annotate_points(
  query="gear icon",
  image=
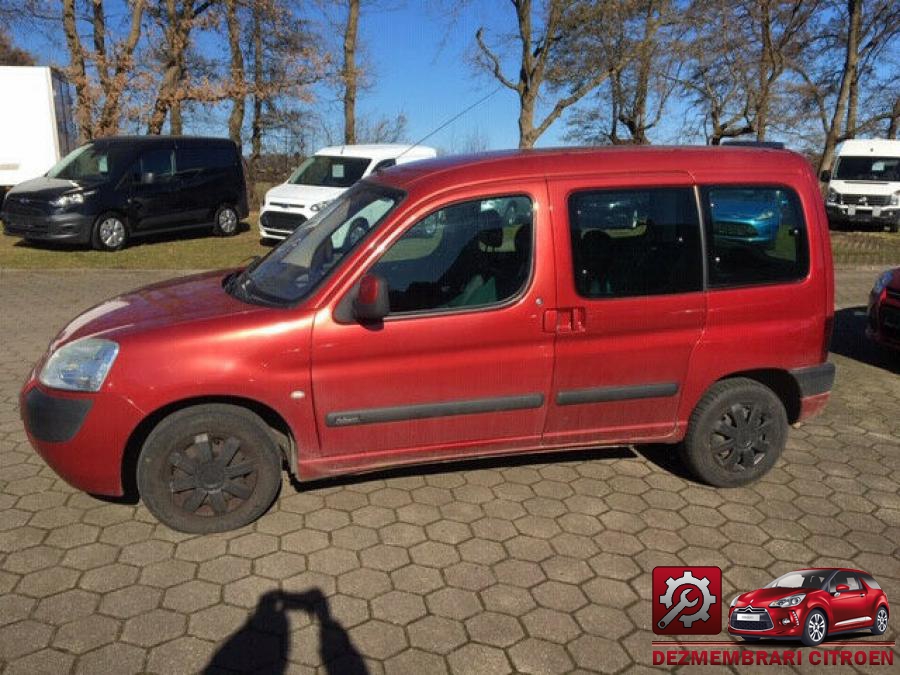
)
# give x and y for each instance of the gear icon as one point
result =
(701, 584)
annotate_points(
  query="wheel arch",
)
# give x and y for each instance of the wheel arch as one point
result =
(281, 430)
(781, 382)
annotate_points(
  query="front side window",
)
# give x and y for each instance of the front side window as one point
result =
(461, 256)
(291, 271)
(155, 165)
(846, 578)
(756, 236)
(635, 242)
(328, 171)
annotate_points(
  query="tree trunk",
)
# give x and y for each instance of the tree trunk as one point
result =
(851, 62)
(894, 124)
(238, 88)
(256, 123)
(83, 99)
(349, 73)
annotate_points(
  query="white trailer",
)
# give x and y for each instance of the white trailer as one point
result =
(37, 127)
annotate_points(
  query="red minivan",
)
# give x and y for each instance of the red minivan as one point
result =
(512, 302)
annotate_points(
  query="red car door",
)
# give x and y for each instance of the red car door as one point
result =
(630, 305)
(850, 608)
(462, 364)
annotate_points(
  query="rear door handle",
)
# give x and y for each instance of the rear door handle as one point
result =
(564, 320)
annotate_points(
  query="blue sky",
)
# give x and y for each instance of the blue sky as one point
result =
(421, 62)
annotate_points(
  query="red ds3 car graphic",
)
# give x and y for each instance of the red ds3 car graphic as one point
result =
(810, 604)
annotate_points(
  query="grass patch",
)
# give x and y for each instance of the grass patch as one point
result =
(196, 250)
(866, 248)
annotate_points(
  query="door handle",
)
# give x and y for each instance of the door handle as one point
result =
(564, 320)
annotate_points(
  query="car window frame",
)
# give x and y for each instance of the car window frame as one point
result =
(452, 311)
(708, 236)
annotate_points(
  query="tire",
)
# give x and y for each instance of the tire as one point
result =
(881, 621)
(183, 469)
(110, 233)
(814, 629)
(226, 221)
(736, 433)
(894, 227)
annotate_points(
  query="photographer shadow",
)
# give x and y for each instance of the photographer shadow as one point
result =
(263, 643)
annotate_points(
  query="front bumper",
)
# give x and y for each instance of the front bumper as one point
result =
(770, 623)
(61, 227)
(880, 215)
(81, 436)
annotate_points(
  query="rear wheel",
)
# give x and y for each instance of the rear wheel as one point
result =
(736, 433)
(881, 621)
(226, 221)
(110, 233)
(209, 468)
(815, 629)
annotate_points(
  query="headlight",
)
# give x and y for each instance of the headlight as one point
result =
(789, 601)
(71, 199)
(81, 365)
(734, 600)
(833, 197)
(882, 282)
(318, 207)
(895, 199)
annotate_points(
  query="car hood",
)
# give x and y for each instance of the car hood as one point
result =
(763, 596)
(302, 195)
(43, 188)
(176, 301)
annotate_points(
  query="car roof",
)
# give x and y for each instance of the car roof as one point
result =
(832, 569)
(511, 164)
(855, 147)
(378, 150)
(151, 139)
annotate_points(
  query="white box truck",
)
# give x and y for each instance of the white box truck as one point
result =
(864, 186)
(37, 126)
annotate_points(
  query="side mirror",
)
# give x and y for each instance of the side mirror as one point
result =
(825, 176)
(371, 302)
(842, 588)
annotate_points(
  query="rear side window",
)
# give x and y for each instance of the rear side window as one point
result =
(635, 242)
(870, 582)
(756, 235)
(213, 156)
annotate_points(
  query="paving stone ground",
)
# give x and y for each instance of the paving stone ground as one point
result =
(534, 565)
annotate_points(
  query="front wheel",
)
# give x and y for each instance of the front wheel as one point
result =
(815, 629)
(209, 468)
(226, 221)
(110, 233)
(736, 433)
(881, 621)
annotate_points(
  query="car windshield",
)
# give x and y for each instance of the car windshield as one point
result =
(801, 579)
(90, 163)
(291, 271)
(868, 168)
(327, 171)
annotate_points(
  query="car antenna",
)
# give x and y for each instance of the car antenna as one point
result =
(450, 121)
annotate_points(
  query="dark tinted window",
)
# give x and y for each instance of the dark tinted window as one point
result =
(205, 156)
(870, 582)
(756, 236)
(385, 164)
(464, 255)
(635, 242)
(158, 162)
(868, 168)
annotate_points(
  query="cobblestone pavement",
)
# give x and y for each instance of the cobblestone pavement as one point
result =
(534, 565)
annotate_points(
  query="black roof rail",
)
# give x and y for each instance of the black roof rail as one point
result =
(776, 145)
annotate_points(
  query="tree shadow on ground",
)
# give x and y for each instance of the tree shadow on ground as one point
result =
(849, 339)
(263, 643)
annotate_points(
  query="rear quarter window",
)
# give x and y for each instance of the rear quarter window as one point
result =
(755, 235)
(200, 157)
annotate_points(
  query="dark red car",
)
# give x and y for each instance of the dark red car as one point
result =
(413, 320)
(810, 604)
(884, 309)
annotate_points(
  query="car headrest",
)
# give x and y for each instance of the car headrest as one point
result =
(522, 241)
(490, 229)
(597, 244)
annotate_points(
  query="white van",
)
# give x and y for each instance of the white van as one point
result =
(864, 186)
(323, 177)
(36, 123)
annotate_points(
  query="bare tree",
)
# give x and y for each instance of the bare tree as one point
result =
(349, 72)
(539, 61)
(10, 55)
(237, 84)
(98, 103)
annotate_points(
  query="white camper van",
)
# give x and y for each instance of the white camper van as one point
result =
(37, 127)
(323, 177)
(864, 186)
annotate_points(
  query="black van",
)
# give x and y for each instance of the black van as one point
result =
(116, 188)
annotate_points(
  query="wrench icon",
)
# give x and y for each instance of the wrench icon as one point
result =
(680, 605)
